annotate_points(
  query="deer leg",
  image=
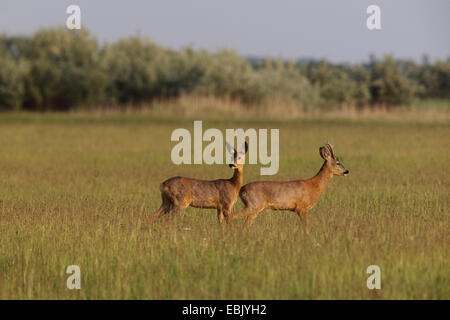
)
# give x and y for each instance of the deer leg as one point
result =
(302, 214)
(171, 212)
(227, 213)
(165, 207)
(177, 206)
(243, 213)
(156, 214)
(228, 217)
(220, 216)
(250, 219)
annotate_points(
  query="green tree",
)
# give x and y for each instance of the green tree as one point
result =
(388, 85)
(64, 70)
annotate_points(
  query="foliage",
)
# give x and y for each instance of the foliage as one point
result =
(60, 69)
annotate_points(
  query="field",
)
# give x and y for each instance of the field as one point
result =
(75, 189)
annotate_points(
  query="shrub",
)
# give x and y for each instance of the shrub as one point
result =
(60, 69)
(388, 85)
(64, 70)
(13, 74)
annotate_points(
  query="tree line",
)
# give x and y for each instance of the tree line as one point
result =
(58, 69)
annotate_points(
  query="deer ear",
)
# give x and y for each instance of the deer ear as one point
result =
(244, 148)
(230, 149)
(324, 153)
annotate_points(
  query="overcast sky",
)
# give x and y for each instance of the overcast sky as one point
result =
(332, 29)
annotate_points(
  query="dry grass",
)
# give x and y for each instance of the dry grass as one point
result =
(75, 189)
(192, 106)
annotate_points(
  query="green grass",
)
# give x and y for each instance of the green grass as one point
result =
(76, 189)
(443, 104)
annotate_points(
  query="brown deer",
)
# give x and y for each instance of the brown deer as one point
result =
(298, 195)
(178, 193)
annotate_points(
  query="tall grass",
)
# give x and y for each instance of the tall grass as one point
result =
(75, 189)
(194, 106)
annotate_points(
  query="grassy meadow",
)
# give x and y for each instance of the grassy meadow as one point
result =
(75, 189)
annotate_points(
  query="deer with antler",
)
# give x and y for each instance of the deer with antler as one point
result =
(178, 193)
(298, 195)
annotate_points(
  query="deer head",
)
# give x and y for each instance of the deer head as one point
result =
(238, 158)
(331, 161)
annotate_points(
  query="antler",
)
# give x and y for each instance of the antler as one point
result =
(330, 148)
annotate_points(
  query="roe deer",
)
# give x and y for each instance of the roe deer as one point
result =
(298, 195)
(178, 193)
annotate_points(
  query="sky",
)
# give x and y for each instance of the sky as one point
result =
(331, 29)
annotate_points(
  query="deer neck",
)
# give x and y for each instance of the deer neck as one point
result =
(237, 178)
(320, 181)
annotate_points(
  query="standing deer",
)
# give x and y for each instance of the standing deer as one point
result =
(178, 193)
(298, 195)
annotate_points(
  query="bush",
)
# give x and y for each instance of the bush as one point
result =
(339, 84)
(60, 69)
(388, 85)
(435, 80)
(64, 70)
(13, 74)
